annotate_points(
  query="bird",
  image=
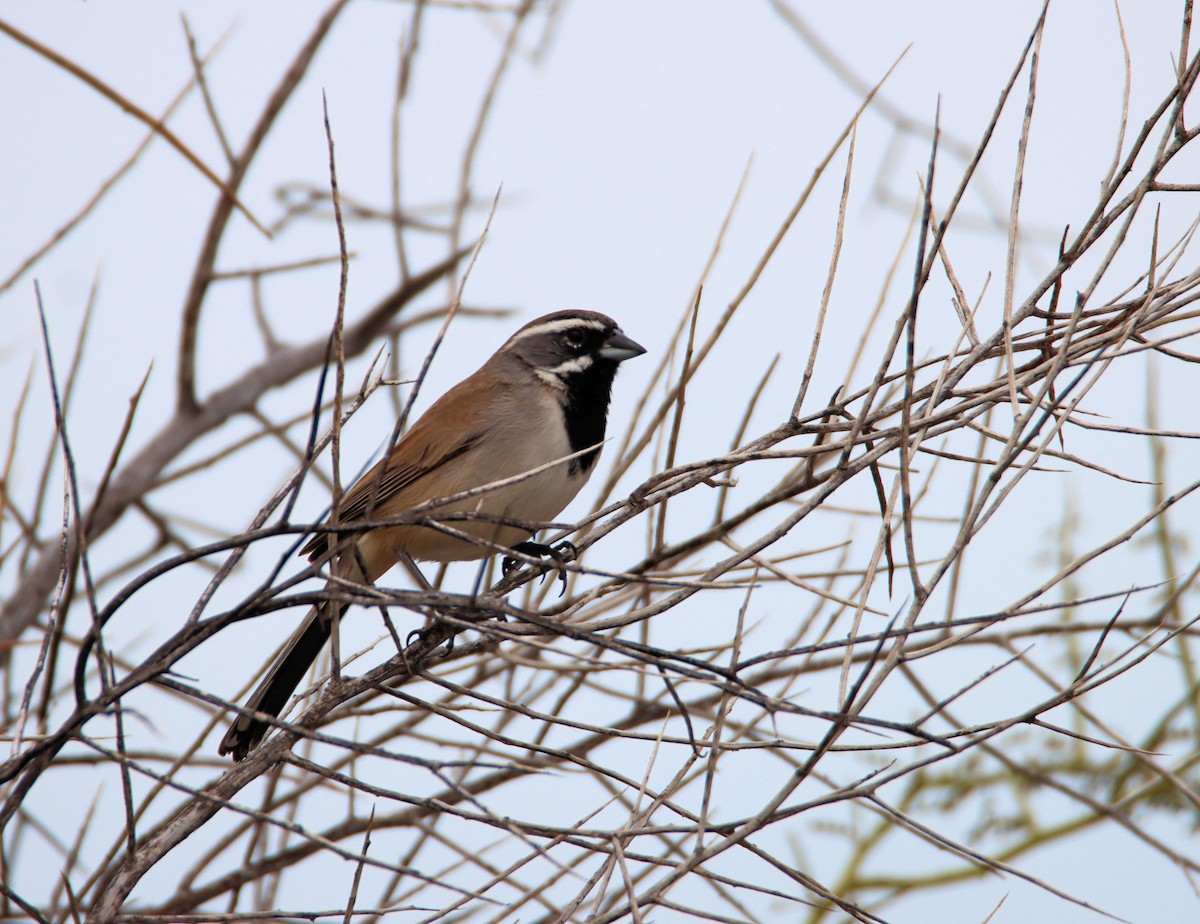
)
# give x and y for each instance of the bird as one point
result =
(540, 403)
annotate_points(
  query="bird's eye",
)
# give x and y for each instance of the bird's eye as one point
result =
(573, 339)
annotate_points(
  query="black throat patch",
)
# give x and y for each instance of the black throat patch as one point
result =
(585, 410)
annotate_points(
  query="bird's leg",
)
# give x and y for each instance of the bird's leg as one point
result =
(413, 571)
(556, 554)
(420, 635)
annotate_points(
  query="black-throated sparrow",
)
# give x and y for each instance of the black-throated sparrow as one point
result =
(542, 397)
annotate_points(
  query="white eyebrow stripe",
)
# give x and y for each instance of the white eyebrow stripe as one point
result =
(551, 327)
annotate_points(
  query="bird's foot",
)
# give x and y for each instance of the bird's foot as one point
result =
(560, 554)
(422, 637)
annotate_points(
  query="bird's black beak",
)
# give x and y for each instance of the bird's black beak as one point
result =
(617, 348)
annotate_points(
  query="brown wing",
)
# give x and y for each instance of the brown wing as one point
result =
(366, 494)
(450, 428)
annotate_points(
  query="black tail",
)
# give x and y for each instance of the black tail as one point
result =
(277, 687)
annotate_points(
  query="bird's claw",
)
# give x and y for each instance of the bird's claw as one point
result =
(418, 636)
(511, 564)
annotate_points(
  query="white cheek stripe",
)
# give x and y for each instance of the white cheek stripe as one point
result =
(550, 379)
(551, 327)
(578, 364)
